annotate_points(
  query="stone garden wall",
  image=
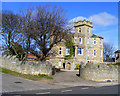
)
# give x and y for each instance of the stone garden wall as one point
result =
(101, 72)
(29, 67)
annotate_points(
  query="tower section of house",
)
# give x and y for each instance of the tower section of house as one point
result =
(88, 46)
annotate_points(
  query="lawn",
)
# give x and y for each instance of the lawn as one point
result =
(27, 76)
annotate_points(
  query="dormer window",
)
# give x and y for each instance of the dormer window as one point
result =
(88, 30)
(79, 30)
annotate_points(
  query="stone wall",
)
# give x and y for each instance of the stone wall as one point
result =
(30, 67)
(101, 72)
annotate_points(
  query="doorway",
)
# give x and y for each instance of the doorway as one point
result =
(64, 65)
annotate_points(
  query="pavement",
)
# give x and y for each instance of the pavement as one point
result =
(62, 80)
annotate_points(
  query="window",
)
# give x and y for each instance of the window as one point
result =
(80, 51)
(100, 41)
(100, 53)
(79, 30)
(88, 30)
(75, 39)
(88, 41)
(67, 51)
(60, 51)
(95, 53)
(80, 40)
(59, 62)
(94, 40)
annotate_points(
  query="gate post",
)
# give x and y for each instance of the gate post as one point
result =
(53, 70)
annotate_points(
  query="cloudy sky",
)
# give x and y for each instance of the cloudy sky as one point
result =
(104, 15)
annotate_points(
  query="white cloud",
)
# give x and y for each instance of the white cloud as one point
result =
(101, 19)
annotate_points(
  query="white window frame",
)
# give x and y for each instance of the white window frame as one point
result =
(79, 30)
(94, 52)
(78, 49)
(60, 62)
(67, 51)
(94, 41)
(88, 41)
(75, 39)
(80, 40)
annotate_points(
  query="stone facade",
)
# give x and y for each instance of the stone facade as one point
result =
(101, 72)
(30, 67)
(88, 47)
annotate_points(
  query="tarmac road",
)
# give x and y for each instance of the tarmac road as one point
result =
(18, 85)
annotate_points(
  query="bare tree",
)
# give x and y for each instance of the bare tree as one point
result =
(49, 24)
(9, 30)
(108, 50)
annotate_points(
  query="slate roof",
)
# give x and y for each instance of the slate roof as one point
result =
(94, 35)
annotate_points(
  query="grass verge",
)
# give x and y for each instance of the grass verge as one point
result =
(27, 76)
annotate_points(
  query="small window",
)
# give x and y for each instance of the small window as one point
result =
(60, 51)
(79, 30)
(67, 51)
(95, 53)
(88, 30)
(100, 53)
(94, 40)
(80, 51)
(75, 39)
(59, 62)
(100, 41)
(88, 41)
(80, 40)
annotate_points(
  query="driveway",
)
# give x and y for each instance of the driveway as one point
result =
(70, 78)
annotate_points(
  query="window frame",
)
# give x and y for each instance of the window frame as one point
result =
(79, 31)
(88, 30)
(94, 41)
(67, 51)
(60, 51)
(88, 41)
(60, 62)
(94, 52)
(80, 50)
(75, 40)
(80, 40)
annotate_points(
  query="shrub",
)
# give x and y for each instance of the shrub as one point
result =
(77, 67)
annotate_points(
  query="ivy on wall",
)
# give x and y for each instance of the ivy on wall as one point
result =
(69, 44)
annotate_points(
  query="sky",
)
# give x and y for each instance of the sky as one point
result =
(104, 15)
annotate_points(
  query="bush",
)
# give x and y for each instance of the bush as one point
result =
(57, 69)
(77, 67)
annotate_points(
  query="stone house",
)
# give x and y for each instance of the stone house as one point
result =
(117, 56)
(88, 48)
